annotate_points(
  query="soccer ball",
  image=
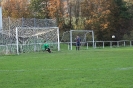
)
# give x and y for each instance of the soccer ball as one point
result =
(113, 36)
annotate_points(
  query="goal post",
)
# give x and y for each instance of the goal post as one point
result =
(1, 18)
(85, 33)
(32, 38)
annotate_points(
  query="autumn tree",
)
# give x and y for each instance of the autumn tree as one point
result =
(16, 8)
(106, 18)
(57, 11)
(39, 8)
(97, 14)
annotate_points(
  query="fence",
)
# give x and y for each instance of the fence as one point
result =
(11, 23)
(121, 43)
(7, 34)
(103, 44)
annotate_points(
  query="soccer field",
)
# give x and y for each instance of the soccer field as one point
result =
(92, 68)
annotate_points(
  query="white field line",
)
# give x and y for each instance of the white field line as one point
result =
(12, 70)
(67, 69)
(127, 68)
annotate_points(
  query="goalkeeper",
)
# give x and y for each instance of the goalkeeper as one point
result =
(45, 47)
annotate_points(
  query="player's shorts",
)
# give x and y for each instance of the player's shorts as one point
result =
(77, 44)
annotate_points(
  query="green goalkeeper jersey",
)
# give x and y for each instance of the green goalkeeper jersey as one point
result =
(45, 46)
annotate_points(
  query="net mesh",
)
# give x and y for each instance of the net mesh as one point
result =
(69, 37)
(26, 34)
(84, 36)
(29, 39)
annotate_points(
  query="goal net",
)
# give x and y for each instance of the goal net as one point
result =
(30, 39)
(86, 36)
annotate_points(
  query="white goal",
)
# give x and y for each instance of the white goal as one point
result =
(32, 38)
(81, 33)
(28, 39)
(86, 36)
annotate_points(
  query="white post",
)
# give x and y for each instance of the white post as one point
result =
(87, 45)
(124, 43)
(95, 44)
(1, 18)
(71, 39)
(117, 43)
(85, 37)
(130, 43)
(93, 39)
(110, 44)
(58, 39)
(103, 44)
(113, 37)
(17, 40)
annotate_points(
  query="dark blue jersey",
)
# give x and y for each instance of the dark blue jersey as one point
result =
(78, 40)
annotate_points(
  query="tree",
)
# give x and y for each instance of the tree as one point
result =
(16, 8)
(97, 14)
(106, 17)
(39, 8)
(128, 36)
(122, 19)
(57, 11)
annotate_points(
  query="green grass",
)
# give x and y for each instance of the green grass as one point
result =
(93, 68)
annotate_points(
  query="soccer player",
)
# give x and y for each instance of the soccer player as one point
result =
(78, 40)
(46, 47)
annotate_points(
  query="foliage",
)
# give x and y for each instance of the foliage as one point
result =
(128, 36)
(121, 19)
(16, 8)
(98, 17)
(39, 8)
(105, 17)
(56, 11)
